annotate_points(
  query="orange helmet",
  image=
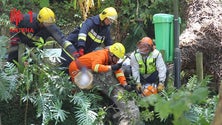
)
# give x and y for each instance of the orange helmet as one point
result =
(149, 90)
(146, 40)
(145, 45)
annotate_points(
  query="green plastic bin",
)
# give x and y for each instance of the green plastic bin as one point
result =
(164, 38)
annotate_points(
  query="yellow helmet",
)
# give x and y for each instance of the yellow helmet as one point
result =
(118, 50)
(46, 15)
(110, 13)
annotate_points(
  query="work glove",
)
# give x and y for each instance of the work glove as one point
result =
(116, 66)
(127, 87)
(160, 87)
(81, 51)
(76, 54)
(14, 41)
(139, 87)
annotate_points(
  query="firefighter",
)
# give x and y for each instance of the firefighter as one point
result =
(40, 27)
(101, 61)
(148, 67)
(105, 61)
(92, 33)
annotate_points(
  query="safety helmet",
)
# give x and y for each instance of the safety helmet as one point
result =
(145, 45)
(46, 15)
(118, 50)
(149, 90)
(109, 13)
(146, 40)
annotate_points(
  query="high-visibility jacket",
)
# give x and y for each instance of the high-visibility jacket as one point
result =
(97, 61)
(147, 65)
(140, 65)
(91, 34)
(29, 32)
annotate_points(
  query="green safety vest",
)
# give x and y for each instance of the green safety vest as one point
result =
(148, 66)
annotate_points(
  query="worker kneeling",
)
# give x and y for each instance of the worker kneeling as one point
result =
(148, 67)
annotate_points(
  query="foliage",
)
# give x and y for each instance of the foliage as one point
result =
(191, 104)
(4, 19)
(47, 87)
(136, 19)
(8, 73)
(8, 82)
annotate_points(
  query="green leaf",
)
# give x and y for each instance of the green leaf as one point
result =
(57, 112)
(179, 107)
(181, 121)
(147, 115)
(163, 108)
(199, 95)
(85, 116)
(44, 3)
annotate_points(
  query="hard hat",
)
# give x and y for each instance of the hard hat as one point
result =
(146, 40)
(145, 45)
(84, 79)
(110, 13)
(46, 15)
(118, 50)
(149, 90)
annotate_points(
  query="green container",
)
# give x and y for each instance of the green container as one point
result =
(164, 38)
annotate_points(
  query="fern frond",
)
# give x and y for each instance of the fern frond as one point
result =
(163, 109)
(85, 116)
(57, 113)
(81, 100)
(8, 81)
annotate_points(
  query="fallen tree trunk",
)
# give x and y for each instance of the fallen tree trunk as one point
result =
(128, 111)
(204, 34)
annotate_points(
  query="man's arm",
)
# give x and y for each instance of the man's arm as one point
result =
(135, 68)
(60, 38)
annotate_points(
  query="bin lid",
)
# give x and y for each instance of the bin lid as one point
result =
(162, 17)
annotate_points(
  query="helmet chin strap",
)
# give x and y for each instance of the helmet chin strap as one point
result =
(111, 58)
(103, 23)
(142, 53)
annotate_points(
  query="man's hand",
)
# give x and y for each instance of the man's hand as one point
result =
(81, 51)
(160, 87)
(116, 66)
(75, 55)
(139, 87)
(14, 41)
(127, 87)
(78, 53)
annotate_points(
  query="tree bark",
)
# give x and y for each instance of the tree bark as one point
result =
(218, 113)
(204, 34)
(129, 112)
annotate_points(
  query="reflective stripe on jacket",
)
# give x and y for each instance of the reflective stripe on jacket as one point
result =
(148, 66)
(41, 33)
(91, 34)
(97, 61)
